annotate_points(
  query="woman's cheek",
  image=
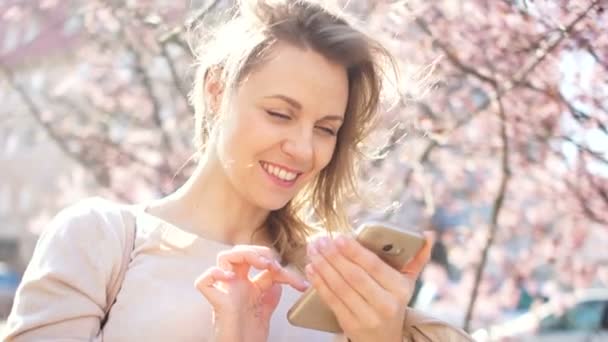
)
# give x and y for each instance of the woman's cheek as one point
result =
(326, 154)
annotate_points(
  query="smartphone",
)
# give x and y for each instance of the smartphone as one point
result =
(395, 246)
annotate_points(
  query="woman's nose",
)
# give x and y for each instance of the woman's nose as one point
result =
(300, 147)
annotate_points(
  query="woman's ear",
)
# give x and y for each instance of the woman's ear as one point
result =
(213, 90)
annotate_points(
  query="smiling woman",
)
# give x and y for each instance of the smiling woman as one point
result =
(277, 120)
(284, 94)
(318, 78)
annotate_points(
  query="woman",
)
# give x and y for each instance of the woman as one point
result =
(279, 119)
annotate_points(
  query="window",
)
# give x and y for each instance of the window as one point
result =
(551, 323)
(585, 316)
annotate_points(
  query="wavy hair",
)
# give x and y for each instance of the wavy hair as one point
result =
(257, 25)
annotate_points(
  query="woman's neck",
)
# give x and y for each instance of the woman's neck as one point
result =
(209, 206)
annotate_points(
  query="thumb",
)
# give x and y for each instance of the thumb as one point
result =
(206, 284)
(264, 280)
(269, 288)
(276, 274)
(272, 297)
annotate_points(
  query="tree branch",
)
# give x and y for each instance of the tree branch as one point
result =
(595, 55)
(146, 81)
(576, 113)
(175, 34)
(449, 53)
(119, 149)
(156, 108)
(36, 114)
(176, 80)
(517, 80)
(496, 208)
(602, 192)
(583, 203)
(594, 154)
(563, 33)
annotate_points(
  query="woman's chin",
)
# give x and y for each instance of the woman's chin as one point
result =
(273, 204)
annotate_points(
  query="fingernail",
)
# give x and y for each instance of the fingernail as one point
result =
(312, 250)
(265, 260)
(323, 243)
(229, 274)
(309, 270)
(305, 284)
(277, 264)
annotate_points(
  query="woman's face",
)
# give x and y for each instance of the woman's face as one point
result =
(281, 128)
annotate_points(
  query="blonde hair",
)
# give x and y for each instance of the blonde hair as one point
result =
(257, 26)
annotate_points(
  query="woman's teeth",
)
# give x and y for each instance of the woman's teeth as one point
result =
(279, 172)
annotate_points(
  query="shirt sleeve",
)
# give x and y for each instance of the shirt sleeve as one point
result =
(64, 289)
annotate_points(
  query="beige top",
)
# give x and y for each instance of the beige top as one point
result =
(65, 287)
(63, 291)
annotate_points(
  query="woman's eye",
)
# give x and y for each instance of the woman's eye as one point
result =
(327, 130)
(278, 115)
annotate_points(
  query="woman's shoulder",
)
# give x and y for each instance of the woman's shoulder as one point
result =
(88, 206)
(89, 219)
(75, 262)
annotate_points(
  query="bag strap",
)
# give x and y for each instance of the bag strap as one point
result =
(128, 220)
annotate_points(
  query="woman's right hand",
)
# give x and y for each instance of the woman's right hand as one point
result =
(242, 306)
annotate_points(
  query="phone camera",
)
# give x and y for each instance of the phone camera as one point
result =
(387, 248)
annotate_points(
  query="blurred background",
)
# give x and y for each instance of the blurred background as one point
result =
(495, 137)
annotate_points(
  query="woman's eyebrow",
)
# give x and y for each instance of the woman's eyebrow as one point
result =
(333, 117)
(297, 105)
(287, 99)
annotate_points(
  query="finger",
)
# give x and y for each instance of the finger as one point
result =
(285, 276)
(253, 250)
(240, 260)
(277, 274)
(205, 283)
(261, 250)
(213, 275)
(351, 298)
(344, 315)
(356, 277)
(413, 268)
(263, 280)
(386, 276)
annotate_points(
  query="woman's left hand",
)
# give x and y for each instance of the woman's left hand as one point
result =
(368, 297)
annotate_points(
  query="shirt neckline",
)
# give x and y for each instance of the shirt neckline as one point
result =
(175, 233)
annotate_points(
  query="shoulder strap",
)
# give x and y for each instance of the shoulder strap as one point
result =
(128, 220)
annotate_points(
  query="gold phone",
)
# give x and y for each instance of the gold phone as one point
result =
(394, 246)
